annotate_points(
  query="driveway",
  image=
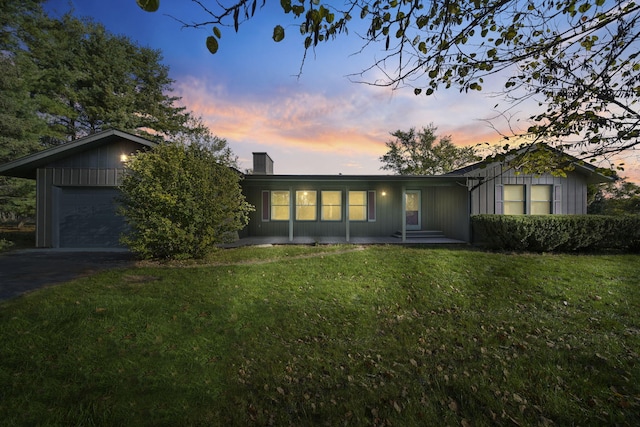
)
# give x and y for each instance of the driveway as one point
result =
(25, 270)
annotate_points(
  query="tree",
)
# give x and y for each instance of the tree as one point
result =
(418, 153)
(576, 62)
(180, 200)
(616, 198)
(89, 79)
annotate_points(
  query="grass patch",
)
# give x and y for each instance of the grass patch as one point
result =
(376, 336)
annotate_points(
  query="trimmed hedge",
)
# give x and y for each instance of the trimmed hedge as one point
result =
(562, 233)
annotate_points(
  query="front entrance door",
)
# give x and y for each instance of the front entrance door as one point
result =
(412, 209)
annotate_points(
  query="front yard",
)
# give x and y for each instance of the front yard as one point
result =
(335, 335)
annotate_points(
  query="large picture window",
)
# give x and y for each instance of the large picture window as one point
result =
(280, 205)
(541, 199)
(357, 205)
(306, 205)
(331, 205)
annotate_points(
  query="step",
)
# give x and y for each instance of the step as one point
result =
(420, 234)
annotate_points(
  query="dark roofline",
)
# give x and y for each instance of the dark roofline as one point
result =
(354, 178)
(579, 164)
(25, 167)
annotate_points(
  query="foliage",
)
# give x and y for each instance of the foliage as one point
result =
(418, 153)
(576, 62)
(616, 198)
(545, 233)
(181, 200)
(372, 337)
(90, 80)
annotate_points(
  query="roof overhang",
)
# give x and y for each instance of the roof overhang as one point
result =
(433, 180)
(26, 167)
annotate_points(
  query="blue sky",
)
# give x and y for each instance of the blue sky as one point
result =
(249, 94)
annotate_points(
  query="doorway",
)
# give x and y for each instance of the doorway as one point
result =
(412, 210)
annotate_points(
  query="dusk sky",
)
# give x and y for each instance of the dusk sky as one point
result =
(320, 123)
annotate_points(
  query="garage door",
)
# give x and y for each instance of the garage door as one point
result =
(87, 218)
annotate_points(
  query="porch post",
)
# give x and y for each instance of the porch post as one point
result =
(404, 214)
(346, 214)
(292, 202)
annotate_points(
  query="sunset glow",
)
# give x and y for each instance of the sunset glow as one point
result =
(320, 122)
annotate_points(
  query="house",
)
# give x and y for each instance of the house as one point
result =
(77, 189)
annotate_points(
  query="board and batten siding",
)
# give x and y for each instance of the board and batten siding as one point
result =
(99, 167)
(445, 207)
(572, 196)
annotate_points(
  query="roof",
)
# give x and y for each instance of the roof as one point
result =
(580, 166)
(26, 167)
(431, 179)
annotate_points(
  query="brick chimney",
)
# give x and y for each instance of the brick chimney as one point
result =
(262, 164)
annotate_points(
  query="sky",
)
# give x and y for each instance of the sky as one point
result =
(322, 121)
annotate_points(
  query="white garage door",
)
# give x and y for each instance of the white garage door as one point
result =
(88, 219)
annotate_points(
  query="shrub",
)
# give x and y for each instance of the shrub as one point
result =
(180, 201)
(545, 233)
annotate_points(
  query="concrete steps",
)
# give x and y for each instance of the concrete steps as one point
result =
(420, 234)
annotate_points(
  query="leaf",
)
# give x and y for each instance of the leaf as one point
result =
(148, 5)
(216, 32)
(212, 44)
(278, 33)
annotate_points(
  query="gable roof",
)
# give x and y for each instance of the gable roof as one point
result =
(594, 176)
(26, 167)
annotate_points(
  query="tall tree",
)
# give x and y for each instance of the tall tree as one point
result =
(616, 198)
(576, 61)
(89, 79)
(422, 153)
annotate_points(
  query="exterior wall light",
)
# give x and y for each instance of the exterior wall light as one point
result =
(384, 193)
(124, 158)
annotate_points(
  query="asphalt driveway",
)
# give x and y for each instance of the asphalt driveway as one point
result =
(25, 270)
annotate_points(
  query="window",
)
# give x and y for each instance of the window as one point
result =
(540, 199)
(280, 206)
(306, 204)
(535, 199)
(357, 205)
(331, 205)
(513, 199)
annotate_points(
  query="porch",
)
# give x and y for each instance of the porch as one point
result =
(411, 239)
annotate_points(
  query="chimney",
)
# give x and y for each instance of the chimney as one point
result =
(262, 164)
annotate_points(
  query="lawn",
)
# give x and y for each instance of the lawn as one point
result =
(334, 335)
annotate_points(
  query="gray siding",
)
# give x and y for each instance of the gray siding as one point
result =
(96, 168)
(483, 196)
(444, 208)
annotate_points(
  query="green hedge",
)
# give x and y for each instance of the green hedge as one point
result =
(564, 233)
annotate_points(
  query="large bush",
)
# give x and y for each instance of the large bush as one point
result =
(180, 200)
(545, 233)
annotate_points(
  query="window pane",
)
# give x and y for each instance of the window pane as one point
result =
(331, 205)
(513, 192)
(357, 197)
(541, 193)
(280, 198)
(279, 205)
(306, 202)
(357, 205)
(514, 208)
(357, 213)
(280, 213)
(540, 208)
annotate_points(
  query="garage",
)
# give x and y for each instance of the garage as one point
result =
(76, 187)
(88, 218)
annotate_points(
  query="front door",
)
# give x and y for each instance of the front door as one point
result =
(412, 209)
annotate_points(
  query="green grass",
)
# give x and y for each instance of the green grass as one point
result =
(308, 336)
